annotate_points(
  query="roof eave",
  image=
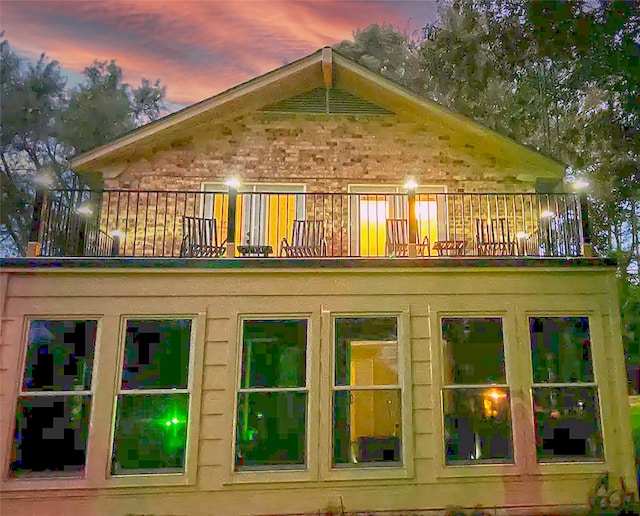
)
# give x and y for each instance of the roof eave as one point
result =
(82, 162)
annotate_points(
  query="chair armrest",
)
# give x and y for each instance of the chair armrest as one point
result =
(283, 245)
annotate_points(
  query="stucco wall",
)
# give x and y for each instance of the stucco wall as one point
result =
(218, 298)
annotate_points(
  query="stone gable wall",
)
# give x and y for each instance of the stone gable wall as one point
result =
(326, 152)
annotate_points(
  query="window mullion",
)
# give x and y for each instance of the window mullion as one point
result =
(338, 388)
(273, 389)
(47, 394)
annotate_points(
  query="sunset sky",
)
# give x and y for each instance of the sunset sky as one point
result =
(197, 48)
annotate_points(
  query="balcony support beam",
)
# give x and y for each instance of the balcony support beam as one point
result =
(231, 222)
(412, 248)
(587, 245)
(34, 246)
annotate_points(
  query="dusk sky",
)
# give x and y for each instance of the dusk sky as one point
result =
(196, 48)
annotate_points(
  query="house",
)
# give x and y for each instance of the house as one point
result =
(312, 292)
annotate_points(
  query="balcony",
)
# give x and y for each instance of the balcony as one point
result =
(199, 224)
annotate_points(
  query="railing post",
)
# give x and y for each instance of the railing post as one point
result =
(34, 246)
(412, 250)
(587, 246)
(115, 243)
(231, 221)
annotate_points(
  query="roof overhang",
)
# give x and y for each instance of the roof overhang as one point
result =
(323, 68)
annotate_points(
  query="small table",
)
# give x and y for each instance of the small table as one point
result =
(450, 247)
(247, 251)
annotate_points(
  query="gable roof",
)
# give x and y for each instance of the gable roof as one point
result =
(326, 69)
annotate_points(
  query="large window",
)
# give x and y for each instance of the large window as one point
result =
(54, 404)
(565, 395)
(272, 395)
(152, 408)
(475, 394)
(367, 394)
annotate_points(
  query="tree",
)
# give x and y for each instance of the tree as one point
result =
(560, 76)
(389, 53)
(44, 123)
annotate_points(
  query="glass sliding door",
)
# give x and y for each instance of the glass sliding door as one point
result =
(372, 206)
(266, 213)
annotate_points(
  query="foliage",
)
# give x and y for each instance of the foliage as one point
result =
(45, 122)
(560, 76)
(390, 53)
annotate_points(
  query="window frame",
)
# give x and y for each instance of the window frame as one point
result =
(194, 388)
(452, 387)
(597, 361)
(307, 471)
(353, 214)
(258, 205)
(513, 382)
(31, 482)
(325, 449)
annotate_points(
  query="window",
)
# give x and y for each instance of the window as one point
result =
(152, 407)
(565, 395)
(475, 395)
(272, 395)
(54, 404)
(367, 394)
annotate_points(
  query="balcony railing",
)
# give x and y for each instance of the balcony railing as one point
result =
(132, 223)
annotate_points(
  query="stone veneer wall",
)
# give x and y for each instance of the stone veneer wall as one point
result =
(325, 152)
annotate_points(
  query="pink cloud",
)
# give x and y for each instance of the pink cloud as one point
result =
(197, 48)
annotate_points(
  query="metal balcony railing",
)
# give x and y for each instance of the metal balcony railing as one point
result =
(133, 223)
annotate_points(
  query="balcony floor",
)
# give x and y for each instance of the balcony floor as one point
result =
(302, 263)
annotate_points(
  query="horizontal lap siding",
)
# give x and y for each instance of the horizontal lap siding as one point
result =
(222, 295)
(252, 500)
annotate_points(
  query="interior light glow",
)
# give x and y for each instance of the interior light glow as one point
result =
(496, 394)
(175, 421)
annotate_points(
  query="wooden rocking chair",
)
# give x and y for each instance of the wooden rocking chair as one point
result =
(493, 238)
(398, 239)
(200, 238)
(307, 240)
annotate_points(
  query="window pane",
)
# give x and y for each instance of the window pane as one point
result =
(60, 355)
(474, 351)
(270, 430)
(156, 354)
(367, 426)
(561, 349)
(150, 433)
(478, 425)
(51, 434)
(274, 353)
(567, 423)
(366, 351)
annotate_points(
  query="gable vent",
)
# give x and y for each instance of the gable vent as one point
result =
(333, 101)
